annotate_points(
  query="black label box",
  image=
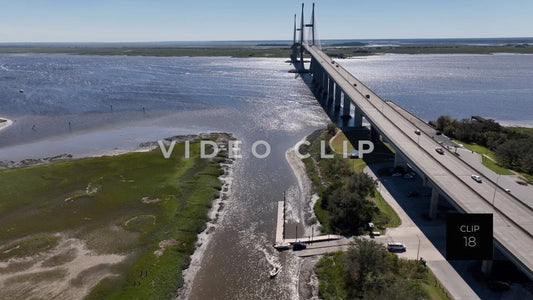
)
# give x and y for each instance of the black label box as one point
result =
(469, 237)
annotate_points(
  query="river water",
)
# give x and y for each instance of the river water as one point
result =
(113, 103)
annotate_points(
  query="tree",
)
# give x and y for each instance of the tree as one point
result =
(331, 129)
(364, 263)
(442, 122)
(396, 289)
(527, 162)
(509, 153)
(349, 212)
(373, 273)
(362, 184)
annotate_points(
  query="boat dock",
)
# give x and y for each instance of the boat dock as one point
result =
(280, 226)
(280, 235)
(324, 247)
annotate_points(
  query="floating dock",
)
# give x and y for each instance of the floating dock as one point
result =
(280, 226)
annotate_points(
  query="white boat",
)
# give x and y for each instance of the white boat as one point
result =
(274, 272)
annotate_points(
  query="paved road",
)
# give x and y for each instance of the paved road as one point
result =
(409, 234)
(523, 193)
(443, 140)
(513, 221)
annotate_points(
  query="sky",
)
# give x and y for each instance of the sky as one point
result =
(210, 20)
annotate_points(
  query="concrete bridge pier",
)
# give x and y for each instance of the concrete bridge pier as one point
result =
(315, 79)
(338, 98)
(318, 73)
(346, 109)
(357, 118)
(319, 82)
(374, 134)
(399, 159)
(320, 89)
(324, 94)
(312, 70)
(331, 87)
(425, 181)
(486, 267)
(434, 203)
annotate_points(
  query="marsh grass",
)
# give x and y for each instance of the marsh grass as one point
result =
(39, 201)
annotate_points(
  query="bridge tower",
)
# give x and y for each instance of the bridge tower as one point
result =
(312, 25)
(294, 33)
(299, 41)
(302, 25)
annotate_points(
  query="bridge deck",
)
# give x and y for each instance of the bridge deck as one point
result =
(513, 221)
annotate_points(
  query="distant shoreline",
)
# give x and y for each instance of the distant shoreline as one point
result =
(262, 49)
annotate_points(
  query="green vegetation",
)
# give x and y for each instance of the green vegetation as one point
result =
(343, 52)
(263, 50)
(244, 51)
(337, 143)
(387, 215)
(369, 271)
(323, 216)
(489, 163)
(477, 148)
(330, 272)
(28, 246)
(346, 201)
(488, 158)
(510, 148)
(521, 130)
(124, 204)
(527, 177)
(338, 140)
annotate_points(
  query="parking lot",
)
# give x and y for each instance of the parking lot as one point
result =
(413, 200)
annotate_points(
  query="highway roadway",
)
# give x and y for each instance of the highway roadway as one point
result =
(513, 221)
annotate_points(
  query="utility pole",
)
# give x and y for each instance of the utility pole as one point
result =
(495, 188)
(418, 252)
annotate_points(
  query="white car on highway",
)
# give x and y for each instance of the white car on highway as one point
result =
(477, 178)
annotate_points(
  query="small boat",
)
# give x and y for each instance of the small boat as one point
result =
(274, 272)
(21, 91)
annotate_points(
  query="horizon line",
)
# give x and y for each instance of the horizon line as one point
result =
(265, 40)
